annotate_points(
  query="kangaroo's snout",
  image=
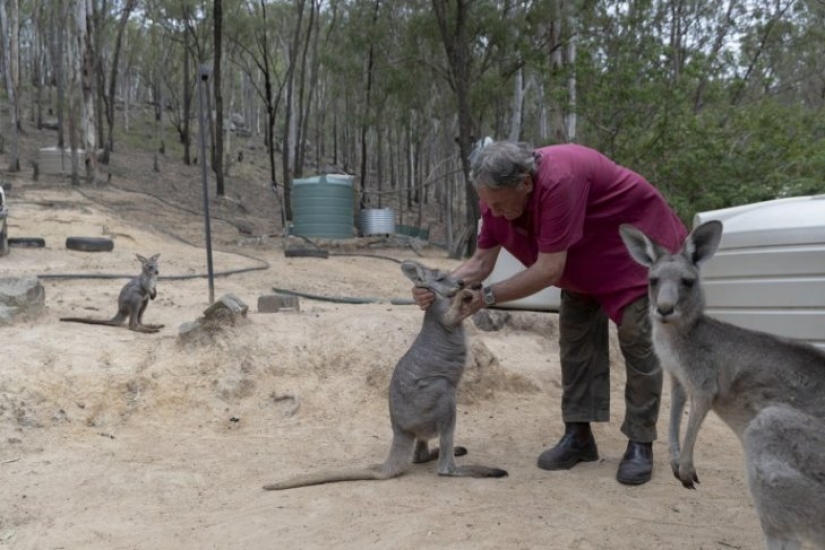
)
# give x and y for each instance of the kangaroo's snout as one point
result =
(665, 311)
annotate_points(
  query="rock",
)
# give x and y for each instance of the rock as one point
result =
(226, 311)
(490, 320)
(273, 303)
(21, 298)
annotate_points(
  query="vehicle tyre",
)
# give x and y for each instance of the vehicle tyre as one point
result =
(4, 241)
(90, 244)
(306, 253)
(27, 242)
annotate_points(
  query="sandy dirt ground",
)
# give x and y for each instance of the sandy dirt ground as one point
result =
(111, 439)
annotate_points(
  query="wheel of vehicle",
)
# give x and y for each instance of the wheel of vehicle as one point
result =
(27, 242)
(4, 241)
(305, 253)
(90, 244)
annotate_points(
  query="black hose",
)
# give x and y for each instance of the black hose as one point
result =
(344, 299)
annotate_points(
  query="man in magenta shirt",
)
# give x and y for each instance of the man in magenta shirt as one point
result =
(558, 210)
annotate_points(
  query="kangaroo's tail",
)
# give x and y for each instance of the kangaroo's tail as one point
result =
(318, 478)
(109, 322)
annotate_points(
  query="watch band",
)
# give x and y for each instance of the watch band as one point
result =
(488, 296)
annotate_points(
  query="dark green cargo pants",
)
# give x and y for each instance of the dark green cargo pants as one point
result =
(585, 365)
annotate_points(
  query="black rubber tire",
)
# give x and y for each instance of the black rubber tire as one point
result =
(90, 244)
(27, 242)
(305, 253)
(4, 241)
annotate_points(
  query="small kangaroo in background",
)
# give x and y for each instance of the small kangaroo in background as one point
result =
(133, 299)
(769, 390)
(422, 393)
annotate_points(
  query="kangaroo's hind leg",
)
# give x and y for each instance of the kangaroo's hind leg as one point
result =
(135, 314)
(423, 453)
(447, 452)
(141, 310)
(783, 453)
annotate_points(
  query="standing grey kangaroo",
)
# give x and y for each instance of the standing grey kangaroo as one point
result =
(769, 390)
(133, 299)
(422, 393)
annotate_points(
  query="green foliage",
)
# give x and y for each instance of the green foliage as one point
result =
(741, 155)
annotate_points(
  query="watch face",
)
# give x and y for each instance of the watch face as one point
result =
(487, 295)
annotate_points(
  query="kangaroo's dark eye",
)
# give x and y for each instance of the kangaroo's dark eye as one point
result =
(688, 283)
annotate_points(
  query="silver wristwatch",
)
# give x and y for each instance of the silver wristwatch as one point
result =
(488, 296)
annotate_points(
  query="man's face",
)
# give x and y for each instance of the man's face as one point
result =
(508, 202)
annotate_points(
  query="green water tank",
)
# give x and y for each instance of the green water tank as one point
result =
(322, 206)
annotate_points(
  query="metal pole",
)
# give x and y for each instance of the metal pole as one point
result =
(204, 74)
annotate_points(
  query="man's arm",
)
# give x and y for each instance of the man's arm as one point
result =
(545, 272)
(478, 267)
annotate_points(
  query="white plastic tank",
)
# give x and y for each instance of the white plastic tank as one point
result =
(769, 272)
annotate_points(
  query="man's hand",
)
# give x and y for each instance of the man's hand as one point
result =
(470, 306)
(423, 297)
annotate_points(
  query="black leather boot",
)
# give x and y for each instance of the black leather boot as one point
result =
(576, 445)
(636, 466)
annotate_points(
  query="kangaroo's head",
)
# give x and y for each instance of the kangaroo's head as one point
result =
(443, 284)
(674, 287)
(150, 265)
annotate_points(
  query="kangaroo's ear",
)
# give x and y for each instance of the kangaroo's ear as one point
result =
(413, 271)
(155, 257)
(702, 242)
(642, 249)
(141, 258)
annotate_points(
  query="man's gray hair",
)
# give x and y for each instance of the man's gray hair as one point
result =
(503, 164)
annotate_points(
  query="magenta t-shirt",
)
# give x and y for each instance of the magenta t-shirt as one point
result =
(579, 199)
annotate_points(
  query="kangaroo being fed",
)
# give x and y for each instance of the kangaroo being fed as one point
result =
(133, 299)
(769, 390)
(422, 393)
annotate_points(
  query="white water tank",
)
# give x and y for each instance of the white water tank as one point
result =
(769, 271)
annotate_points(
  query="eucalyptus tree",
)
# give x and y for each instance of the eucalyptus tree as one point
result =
(155, 63)
(110, 98)
(217, 149)
(188, 24)
(257, 31)
(472, 33)
(9, 43)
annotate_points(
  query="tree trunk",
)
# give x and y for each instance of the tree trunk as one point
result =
(454, 37)
(364, 200)
(289, 128)
(187, 95)
(89, 130)
(110, 104)
(75, 54)
(95, 30)
(7, 33)
(217, 160)
(14, 58)
(60, 55)
(518, 102)
(570, 116)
